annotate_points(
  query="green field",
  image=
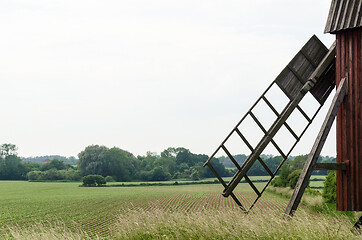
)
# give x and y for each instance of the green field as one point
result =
(92, 209)
(104, 212)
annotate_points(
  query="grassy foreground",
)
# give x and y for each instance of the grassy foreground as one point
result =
(160, 224)
(66, 211)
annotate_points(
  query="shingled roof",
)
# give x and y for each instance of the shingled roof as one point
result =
(344, 14)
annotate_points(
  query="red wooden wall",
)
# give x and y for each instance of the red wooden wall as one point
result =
(349, 120)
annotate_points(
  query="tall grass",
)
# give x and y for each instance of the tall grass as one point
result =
(159, 224)
(312, 201)
(43, 231)
(205, 224)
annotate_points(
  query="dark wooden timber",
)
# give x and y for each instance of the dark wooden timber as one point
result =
(317, 148)
(349, 120)
(331, 166)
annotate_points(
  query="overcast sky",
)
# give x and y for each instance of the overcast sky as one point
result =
(144, 75)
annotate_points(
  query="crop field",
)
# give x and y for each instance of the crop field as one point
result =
(93, 209)
(99, 212)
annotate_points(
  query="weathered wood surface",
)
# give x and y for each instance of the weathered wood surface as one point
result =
(296, 73)
(344, 14)
(316, 150)
(349, 120)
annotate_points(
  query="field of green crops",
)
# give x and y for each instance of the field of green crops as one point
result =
(94, 209)
(103, 212)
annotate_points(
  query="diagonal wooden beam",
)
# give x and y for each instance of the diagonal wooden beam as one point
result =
(316, 149)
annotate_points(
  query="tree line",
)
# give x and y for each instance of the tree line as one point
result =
(113, 163)
(173, 163)
(121, 165)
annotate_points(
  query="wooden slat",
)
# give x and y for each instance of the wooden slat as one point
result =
(265, 167)
(278, 148)
(257, 122)
(291, 131)
(271, 106)
(244, 139)
(231, 157)
(304, 114)
(317, 148)
(252, 185)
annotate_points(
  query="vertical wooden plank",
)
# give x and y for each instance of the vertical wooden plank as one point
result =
(339, 119)
(349, 121)
(352, 145)
(358, 70)
(358, 75)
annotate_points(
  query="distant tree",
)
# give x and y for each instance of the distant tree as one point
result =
(55, 163)
(282, 179)
(10, 164)
(158, 174)
(92, 160)
(120, 164)
(8, 149)
(93, 180)
(110, 179)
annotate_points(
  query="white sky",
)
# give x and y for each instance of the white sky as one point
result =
(143, 75)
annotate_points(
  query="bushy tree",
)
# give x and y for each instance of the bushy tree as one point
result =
(110, 179)
(290, 172)
(92, 160)
(330, 188)
(93, 180)
(10, 164)
(120, 164)
(293, 178)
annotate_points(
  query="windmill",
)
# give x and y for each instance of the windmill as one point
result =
(314, 71)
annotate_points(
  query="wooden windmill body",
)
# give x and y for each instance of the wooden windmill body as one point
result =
(315, 70)
(345, 21)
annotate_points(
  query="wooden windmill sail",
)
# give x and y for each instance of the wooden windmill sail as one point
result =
(316, 70)
(311, 70)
